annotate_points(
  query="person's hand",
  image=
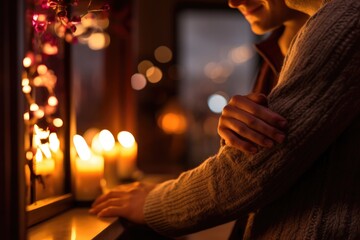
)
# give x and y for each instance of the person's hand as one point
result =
(126, 201)
(246, 123)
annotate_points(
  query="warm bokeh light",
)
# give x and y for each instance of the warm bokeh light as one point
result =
(53, 101)
(172, 123)
(49, 49)
(25, 82)
(89, 20)
(27, 116)
(81, 147)
(26, 89)
(241, 54)
(29, 155)
(27, 62)
(39, 113)
(154, 74)
(69, 37)
(126, 139)
(42, 69)
(138, 81)
(106, 139)
(38, 81)
(40, 17)
(218, 72)
(34, 107)
(163, 54)
(216, 102)
(58, 122)
(143, 66)
(98, 41)
(60, 29)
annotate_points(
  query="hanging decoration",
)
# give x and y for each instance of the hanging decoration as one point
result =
(52, 22)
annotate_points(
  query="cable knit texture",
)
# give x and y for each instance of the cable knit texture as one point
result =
(305, 188)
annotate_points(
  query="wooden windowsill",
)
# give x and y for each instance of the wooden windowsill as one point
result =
(77, 224)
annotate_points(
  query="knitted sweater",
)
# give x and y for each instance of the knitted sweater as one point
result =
(305, 188)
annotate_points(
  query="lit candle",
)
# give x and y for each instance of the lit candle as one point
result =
(58, 156)
(110, 151)
(126, 165)
(89, 171)
(43, 166)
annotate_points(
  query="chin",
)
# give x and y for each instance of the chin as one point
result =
(259, 31)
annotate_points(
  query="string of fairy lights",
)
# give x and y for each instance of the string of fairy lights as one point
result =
(51, 23)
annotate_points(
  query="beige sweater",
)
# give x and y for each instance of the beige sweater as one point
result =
(309, 186)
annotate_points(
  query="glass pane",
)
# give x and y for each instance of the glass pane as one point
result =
(216, 61)
(43, 86)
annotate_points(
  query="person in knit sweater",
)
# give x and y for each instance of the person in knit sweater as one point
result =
(304, 188)
(267, 127)
(283, 22)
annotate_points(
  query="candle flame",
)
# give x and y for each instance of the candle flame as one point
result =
(38, 155)
(41, 133)
(54, 142)
(45, 148)
(96, 145)
(81, 147)
(126, 139)
(107, 140)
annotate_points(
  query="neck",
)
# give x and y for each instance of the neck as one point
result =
(309, 7)
(311, 11)
(315, 6)
(290, 30)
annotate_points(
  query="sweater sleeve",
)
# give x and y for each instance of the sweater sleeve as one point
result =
(318, 93)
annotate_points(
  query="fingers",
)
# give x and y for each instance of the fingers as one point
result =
(125, 201)
(246, 104)
(250, 126)
(102, 209)
(234, 140)
(245, 124)
(105, 197)
(112, 212)
(118, 191)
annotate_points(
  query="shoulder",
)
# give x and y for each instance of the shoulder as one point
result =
(327, 38)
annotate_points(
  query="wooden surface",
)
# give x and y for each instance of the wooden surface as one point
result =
(76, 224)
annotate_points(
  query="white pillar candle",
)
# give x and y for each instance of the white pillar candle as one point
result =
(89, 171)
(126, 164)
(110, 150)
